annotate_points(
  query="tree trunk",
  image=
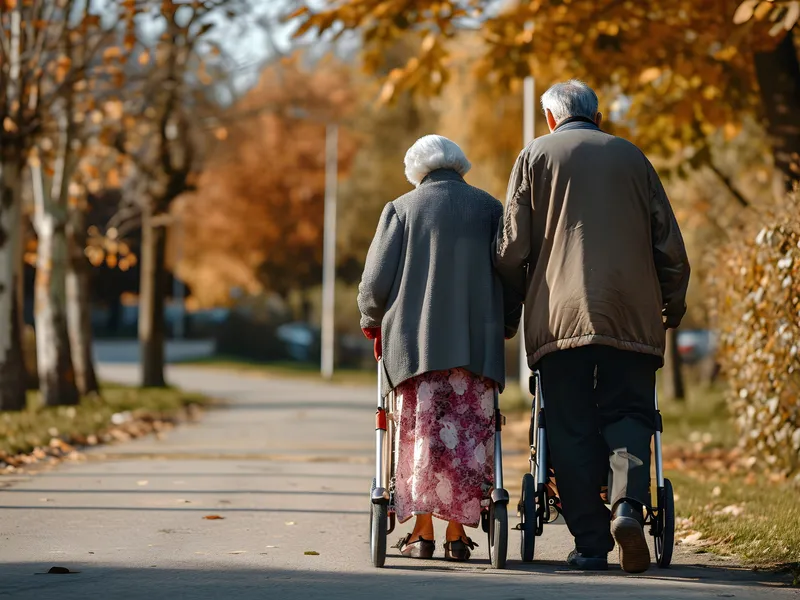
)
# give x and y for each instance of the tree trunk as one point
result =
(79, 322)
(778, 74)
(152, 292)
(12, 367)
(53, 355)
(674, 388)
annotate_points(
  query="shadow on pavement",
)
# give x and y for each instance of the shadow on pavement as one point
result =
(223, 580)
(187, 509)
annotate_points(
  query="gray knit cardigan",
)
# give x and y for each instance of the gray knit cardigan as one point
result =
(428, 282)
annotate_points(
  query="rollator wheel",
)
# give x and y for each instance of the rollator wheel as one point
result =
(498, 535)
(378, 522)
(527, 526)
(665, 540)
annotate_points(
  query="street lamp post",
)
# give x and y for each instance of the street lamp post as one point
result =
(329, 252)
(528, 134)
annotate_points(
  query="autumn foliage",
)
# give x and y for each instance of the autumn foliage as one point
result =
(757, 309)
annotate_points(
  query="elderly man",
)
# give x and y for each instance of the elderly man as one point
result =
(591, 247)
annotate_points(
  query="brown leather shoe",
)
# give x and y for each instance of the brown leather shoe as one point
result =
(627, 529)
(420, 548)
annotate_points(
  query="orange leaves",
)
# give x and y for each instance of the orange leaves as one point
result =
(62, 66)
(112, 53)
(745, 11)
(649, 75)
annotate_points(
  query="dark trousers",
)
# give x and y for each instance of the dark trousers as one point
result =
(600, 413)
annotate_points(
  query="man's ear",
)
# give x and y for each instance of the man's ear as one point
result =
(551, 120)
(598, 118)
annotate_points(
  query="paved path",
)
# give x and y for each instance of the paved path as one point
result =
(288, 465)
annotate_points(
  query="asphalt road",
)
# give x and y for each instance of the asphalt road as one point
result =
(288, 466)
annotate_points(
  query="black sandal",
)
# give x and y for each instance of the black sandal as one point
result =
(459, 550)
(420, 548)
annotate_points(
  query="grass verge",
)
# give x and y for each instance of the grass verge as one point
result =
(759, 522)
(24, 431)
(722, 505)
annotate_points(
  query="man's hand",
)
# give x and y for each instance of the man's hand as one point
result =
(671, 319)
(374, 333)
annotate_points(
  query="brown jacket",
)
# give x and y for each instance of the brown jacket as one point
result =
(590, 244)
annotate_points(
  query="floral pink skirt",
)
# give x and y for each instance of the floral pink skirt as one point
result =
(445, 445)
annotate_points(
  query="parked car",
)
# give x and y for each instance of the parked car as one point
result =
(302, 341)
(696, 344)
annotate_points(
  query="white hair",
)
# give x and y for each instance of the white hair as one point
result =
(434, 152)
(572, 98)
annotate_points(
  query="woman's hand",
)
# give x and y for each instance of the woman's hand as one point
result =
(374, 333)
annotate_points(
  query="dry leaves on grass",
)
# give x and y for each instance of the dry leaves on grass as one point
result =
(213, 518)
(59, 450)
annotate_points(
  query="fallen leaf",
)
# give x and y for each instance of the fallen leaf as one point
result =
(238, 552)
(213, 517)
(733, 510)
(61, 571)
(142, 482)
(311, 553)
(692, 539)
(290, 522)
(270, 546)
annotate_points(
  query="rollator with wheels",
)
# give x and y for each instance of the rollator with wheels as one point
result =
(494, 507)
(539, 503)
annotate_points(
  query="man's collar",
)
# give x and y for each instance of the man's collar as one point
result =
(576, 123)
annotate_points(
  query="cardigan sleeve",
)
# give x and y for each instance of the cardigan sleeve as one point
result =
(380, 269)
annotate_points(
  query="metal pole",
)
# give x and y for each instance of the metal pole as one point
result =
(178, 289)
(528, 134)
(329, 250)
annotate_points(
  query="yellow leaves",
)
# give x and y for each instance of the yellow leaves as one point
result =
(792, 14)
(744, 11)
(731, 130)
(428, 43)
(387, 92)
(762, 10)
(649, 75)
(113, 109)
(710, 92)
(9, 125)
(221, 133)
(144, 58)
(784, 15)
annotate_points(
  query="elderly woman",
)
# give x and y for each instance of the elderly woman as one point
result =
(431, 301)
